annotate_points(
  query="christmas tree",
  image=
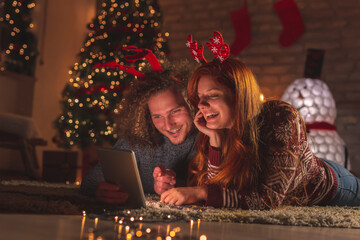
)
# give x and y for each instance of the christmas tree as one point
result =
(97, 83)
(17, 39)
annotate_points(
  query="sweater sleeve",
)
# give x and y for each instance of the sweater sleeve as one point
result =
(91, 180)
(286, 133)
(94, 176)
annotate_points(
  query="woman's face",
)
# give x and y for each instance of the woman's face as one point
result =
(214, 103)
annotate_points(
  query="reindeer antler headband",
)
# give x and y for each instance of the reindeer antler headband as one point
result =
(219, 49)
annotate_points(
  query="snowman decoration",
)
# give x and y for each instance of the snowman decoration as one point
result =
(313, 99)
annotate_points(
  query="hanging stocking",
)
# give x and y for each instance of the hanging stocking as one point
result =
(293, 25)
(240, 19)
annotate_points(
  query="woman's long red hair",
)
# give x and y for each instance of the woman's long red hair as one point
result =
(241, 165)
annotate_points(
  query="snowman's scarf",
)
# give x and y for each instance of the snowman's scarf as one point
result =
(320, 126)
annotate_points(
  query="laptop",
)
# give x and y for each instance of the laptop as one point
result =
(120, 168)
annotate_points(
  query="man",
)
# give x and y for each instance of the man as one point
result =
(156, 123)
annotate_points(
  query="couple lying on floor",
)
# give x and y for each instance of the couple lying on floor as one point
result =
(220, 145)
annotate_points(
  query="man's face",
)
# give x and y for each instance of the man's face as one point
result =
(171, 116)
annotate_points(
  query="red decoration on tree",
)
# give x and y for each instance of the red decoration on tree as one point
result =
(293, 25)
(240, 19)
(143, 53)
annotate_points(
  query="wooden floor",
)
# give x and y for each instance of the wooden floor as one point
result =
(46, 227)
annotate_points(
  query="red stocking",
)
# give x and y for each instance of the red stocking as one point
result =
(293, 25)
(241, 21)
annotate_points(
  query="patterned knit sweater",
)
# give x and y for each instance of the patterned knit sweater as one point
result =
(309, 180)
(175, 157)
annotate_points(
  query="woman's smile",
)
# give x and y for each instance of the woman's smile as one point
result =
(214, 103)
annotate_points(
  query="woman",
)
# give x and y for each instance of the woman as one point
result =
(254, 155)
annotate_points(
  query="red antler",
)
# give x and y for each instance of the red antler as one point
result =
(196, 52)
(143, 53)
(220, 50)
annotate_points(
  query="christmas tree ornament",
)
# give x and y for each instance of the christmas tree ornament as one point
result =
(313, 99)
(292, 22)
(240, 19)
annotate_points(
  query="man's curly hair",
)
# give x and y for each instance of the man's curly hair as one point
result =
(134, 120)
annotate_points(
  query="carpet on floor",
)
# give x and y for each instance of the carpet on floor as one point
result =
(17, 196)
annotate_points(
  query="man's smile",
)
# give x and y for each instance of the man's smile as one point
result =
(173, 132)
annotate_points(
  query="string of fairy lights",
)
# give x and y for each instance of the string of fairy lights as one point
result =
(129, 227)
(15, 17)
(92, 94)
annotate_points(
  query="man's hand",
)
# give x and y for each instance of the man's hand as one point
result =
(184, 195)
(164, 179)
(110, 193)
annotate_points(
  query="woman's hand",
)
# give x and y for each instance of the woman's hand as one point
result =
(213, 134)
(110, 193)
(184, 195)
(164, 179)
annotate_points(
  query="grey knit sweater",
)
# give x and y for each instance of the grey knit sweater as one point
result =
(175, 157)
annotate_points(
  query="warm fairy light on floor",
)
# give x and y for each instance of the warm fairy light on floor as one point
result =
(91, 236)
(262, 98)
(138, 233)
(134, 229)
(198, 227)
(82, 225)
(191, 226)
(203, 237)
(96, 222)
(119, 231)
